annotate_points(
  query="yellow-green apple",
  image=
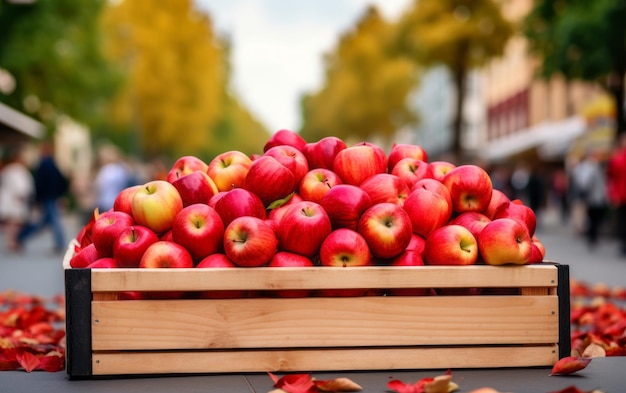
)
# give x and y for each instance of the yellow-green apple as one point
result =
(434, 186)
(316, 183)
(83, 257)
(239, 202)
(438, 169)
(408, 258)
(451, 245)
(123, 200)
(303, 228)
(538, 252)
(156, 204)
(410, 170)
(517, 210)
(417, 243)
(184, 166)
(400, 151)
(345, 247)
(385, 187)
(470, 188)
(199, 229)
(195, 187)
(427, 210)
(269, 180)
(356, 163)
(103, 263)
(166, 254)
(321, 154)
(474, 221)
(290, 259)
(505, 241)
(285, 137)
(229, 169)
(250, 242)
(387, 229)
(292, 158)
(131, 243)
(499, 201)
(344, 204)
(217, 261)
(107, 228)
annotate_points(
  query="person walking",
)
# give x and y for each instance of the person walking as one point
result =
(111, 178)
(616, 190)
(17, 191)
(50, 185)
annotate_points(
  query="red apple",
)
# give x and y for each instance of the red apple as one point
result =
(107, 228)
(434, 186)
(123, 201)
(499, 201)
(303, 228)
(538, 252)
(199, 229)
(387, 229)
(427, 210)
(277, 212)
(285, 137)
(410, 170)
(356, 163)
(518, 211)
(216, 261)
(195, 187)
(451, 245)
(239, 202)
(345, 247)
(321, 154)
(316, 183)
(417, 243)
(85, 256)
(290, 259)
(130, 245)
(250, 241)
(184, 166)
(505, 241)
(344, 204)
(473, 221)
(385, 187)
(439, 169)
(103, 263)
(228, 170)
(165, 254)
(269, 180)
(292, 158)
(216, 197)
(470, 188)
(156, 204)
(400, 151)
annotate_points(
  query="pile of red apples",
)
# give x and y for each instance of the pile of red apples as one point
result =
(312, 204)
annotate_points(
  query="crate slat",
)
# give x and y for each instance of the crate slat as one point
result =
(334, 359)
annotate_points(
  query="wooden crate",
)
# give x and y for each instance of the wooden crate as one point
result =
(107, 336)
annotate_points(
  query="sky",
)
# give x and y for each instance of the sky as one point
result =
(278, 47)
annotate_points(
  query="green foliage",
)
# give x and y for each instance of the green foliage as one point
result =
(52, 48)
(366, 86)
(584, 40)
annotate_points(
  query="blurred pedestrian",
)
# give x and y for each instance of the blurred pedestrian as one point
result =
(17, 192)
(112, 177)
(616, 189)
(560, 188)
(50, 185)
(590, 185)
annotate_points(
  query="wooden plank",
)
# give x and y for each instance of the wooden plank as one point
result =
(119, 280)
(324, 322)
(336, 359)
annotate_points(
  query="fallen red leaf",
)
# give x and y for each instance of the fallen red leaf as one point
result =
(337, 385)
(569, 365)
(27, 360)
(294, 383)
(52, 362)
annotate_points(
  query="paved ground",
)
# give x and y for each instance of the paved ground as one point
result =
(37, 270)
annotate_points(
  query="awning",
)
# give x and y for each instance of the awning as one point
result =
(16, 127)
(551, 139)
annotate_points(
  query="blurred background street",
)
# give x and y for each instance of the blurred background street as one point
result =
(38, 271)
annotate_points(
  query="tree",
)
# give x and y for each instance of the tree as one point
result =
(52, 49)
(583, 40)
(460, 34)
(366, 86)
